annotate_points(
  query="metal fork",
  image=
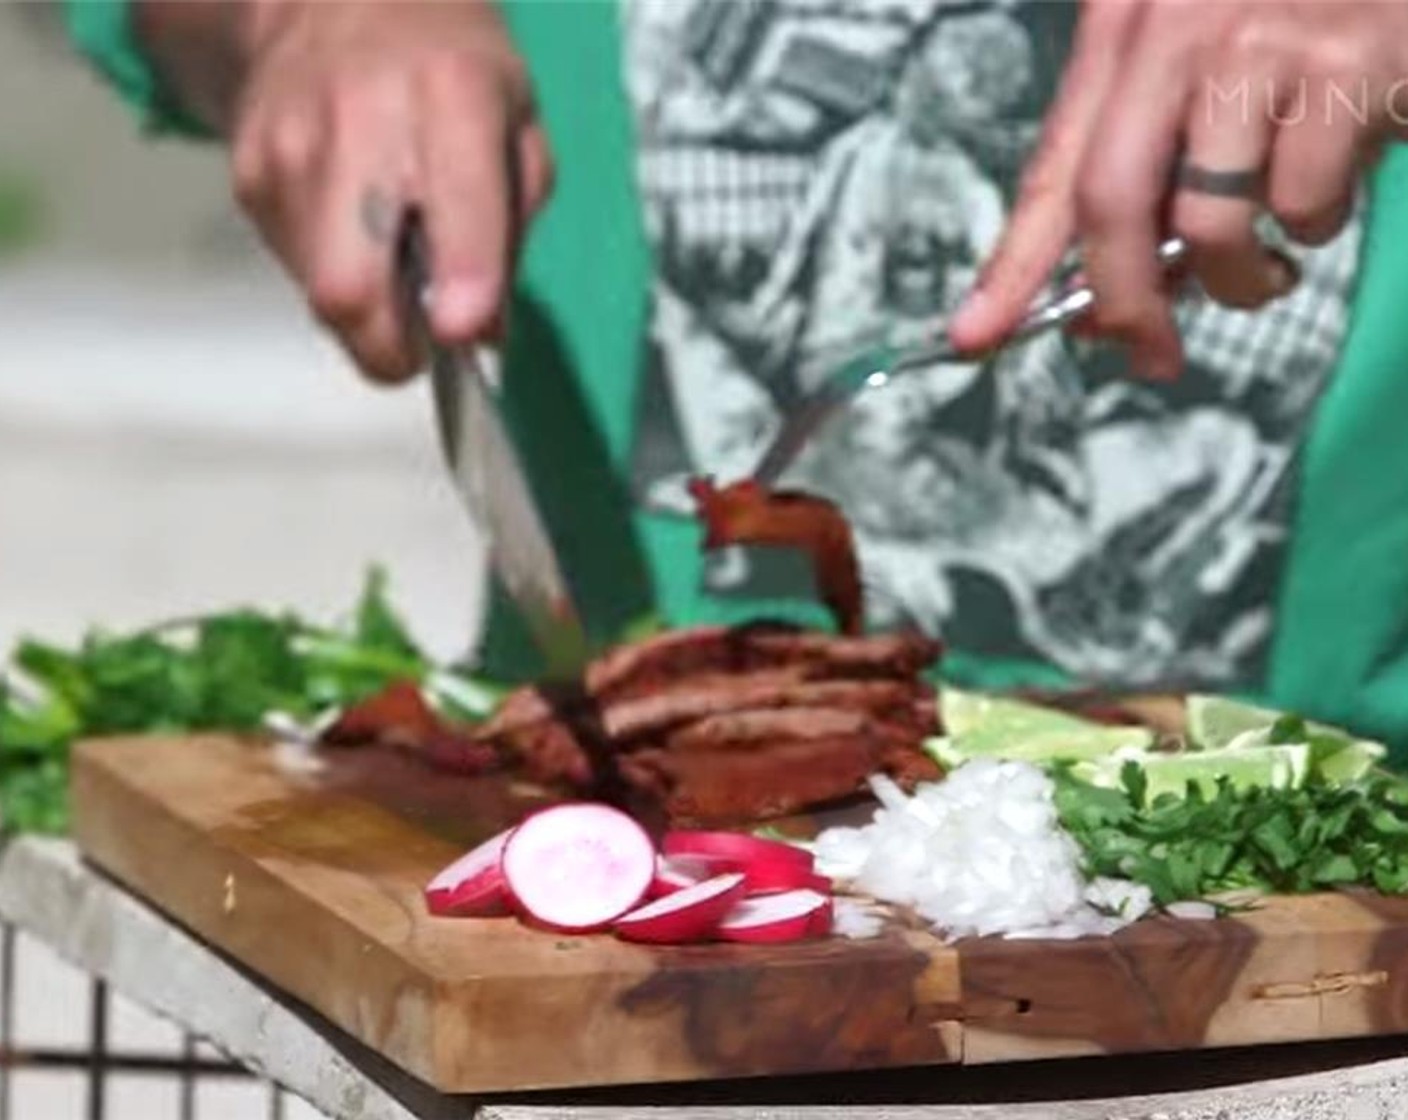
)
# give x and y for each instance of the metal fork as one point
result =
(873, 363)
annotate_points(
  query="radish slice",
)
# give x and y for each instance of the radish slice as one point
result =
(789, 916)
(690, 914)
(578, 866)
(673, 875)
(737, 847)
(772, 876)
(472, 886)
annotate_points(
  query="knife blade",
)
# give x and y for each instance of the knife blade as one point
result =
(486, 471)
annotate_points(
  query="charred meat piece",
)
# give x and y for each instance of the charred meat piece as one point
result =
(748, 513)
(711, 725)
(897, 701)
(714, 724)
(557, 752)
(732, 788)
(684, 658)
(707, 693)
(552, 751)
(643, 667)
(711, 650)
(908, 766)
(399, 716)
(760, 729)
(902, 654)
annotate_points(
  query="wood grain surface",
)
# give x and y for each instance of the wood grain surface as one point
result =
(314, 882)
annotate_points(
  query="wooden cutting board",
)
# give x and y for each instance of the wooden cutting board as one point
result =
(314, 882)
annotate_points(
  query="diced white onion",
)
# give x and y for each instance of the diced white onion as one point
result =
(1191, 911)
(980, 853)
(856, 919)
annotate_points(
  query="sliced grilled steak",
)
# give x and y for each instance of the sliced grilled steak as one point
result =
(899, 702)
(686, 658)
(711, 790)
(531, 703)
(764, 728)
(902, 654)
(642, 668)
(664, 659)
(715, 725)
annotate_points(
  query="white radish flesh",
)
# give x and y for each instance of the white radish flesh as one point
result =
(789, 916)
(690, 914)
(472, 886)
(673, 875)
(578, 866)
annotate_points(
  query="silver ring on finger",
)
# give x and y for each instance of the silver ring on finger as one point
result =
(1249, 184)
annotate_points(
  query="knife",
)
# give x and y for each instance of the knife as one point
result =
(486, 471)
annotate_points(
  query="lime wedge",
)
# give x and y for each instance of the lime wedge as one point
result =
(964, 712)
(1214, 721)
(1246, 767)
(1336, 756)
(1340, 762)
(978, 725)
(1050, 746)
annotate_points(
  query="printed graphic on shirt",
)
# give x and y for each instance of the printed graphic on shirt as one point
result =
(815, 170)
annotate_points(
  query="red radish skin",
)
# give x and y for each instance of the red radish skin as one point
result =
(690, 914)
(578, 866)
(768, 877)
(736, 847)
(773, 918)
(767, 874)
(473, 886)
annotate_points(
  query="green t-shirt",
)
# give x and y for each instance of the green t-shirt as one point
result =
(591, 318)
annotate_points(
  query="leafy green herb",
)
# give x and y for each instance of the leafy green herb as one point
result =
(1316, 837)
(646, 626)
(378, 627)
(1288, 728)
(221, 672)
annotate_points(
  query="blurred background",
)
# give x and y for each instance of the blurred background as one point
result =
(175, 436)
(175, 433)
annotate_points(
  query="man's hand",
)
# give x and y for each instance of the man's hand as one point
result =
(339, 116)
(1303, 92)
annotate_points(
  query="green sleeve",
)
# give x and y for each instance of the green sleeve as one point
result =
(102, 31)
(1341, 648)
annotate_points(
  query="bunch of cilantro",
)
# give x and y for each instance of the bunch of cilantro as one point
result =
(220, 672)
(1320, 836)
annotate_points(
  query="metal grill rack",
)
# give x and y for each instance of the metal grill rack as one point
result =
(99, 1058)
